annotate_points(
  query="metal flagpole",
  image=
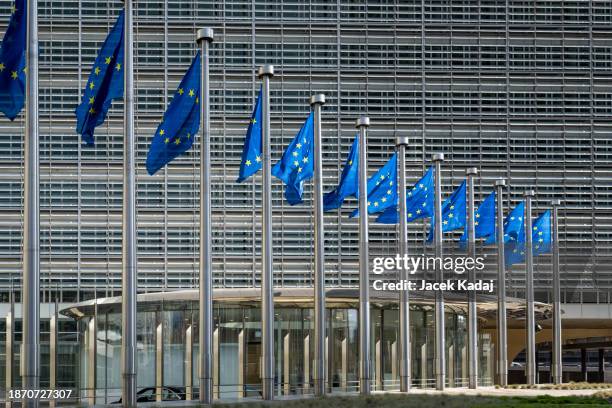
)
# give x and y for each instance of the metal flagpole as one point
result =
(472, 309)
(530, 346)
(31, 224)
(129, 261)
(204, 37)
(557, 340)
(364, 264)
(502, 329)
(404, 306)
(267, 301)
(440, 351)
(316, 101)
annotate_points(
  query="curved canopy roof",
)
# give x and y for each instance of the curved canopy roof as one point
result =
(303, 298)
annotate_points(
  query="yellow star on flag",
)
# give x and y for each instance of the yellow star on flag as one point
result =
(180, 91)
(97, 71)
(177, 141)
(91, 100)
(2, 67)
(107, 60)
(191, 93)
(258, 159)
(91, 85)
(118, 67)
(248, 162)
(167, 140)
(161, 132)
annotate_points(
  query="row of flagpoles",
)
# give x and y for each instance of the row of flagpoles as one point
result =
(112, 77)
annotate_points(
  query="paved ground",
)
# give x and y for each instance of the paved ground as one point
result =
(504, 392)
(417, 395)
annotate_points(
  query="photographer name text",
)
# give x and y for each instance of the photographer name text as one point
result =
(448, 285)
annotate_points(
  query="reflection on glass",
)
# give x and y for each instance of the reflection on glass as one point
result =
(237, 349)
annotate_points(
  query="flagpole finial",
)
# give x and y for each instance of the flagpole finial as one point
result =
(401, 141)
(362, 121)
(317, 98)
(437, 157)
(205, 34)
(471, 171)
(529, 193)
(265, 70)
(500, 182)
(555, 203)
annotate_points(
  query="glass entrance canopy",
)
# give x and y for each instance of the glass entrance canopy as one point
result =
(168, 344)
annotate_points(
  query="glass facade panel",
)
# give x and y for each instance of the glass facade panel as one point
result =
(237, 347)
(519, 90)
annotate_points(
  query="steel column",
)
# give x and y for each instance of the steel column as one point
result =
(316, 102)
(502, 328)
(129, 255)
(557, 361)
(267, 278)
(204, 37)
(530, 320)
(365, 363)
(472, 308)
(404, 305)
(31, 224)
(440, 348)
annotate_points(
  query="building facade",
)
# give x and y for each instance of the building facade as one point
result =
(519, 89)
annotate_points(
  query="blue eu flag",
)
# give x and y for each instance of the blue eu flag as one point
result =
(514, 236)
(296, 165)
(453, 212)
(382, 190)
(251, 153)
(105, 83)
(174, 136)
(541, 234)
(514, 247)
(349, 180)
(12, 62)
(484, 219)
(512, 224)
(419, 201)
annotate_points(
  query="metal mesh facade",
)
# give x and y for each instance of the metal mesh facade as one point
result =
(520, 89)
